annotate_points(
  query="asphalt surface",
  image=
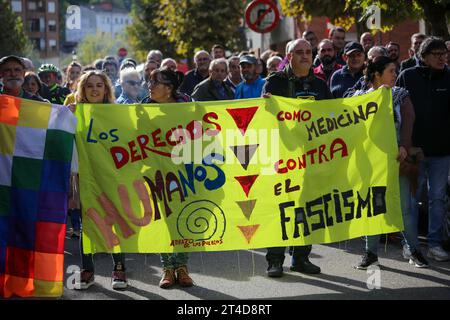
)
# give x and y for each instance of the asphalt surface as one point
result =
(230, 275)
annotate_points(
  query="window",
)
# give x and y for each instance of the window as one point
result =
(42, 44)
(41, 6)
(107, 20)
(33, 25)
(116, 21)
(52, 25)
(35, 43)
(32, 5)
(51, 7)
(52, 44)
(16, 6)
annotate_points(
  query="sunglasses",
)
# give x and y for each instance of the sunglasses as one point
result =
(133, 83)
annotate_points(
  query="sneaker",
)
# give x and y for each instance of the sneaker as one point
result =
(406, 252)
(438, 254)
(275, 270)
(368, 259)
(168, 278)
(183, 277)
(86, 280)
(418, 260)
(305, 266)
(119, 280)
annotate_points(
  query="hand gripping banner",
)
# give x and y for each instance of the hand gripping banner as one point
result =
(228, 175)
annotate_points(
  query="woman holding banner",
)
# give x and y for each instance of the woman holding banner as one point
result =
(95, 87)
(380, 72)
(163, 88)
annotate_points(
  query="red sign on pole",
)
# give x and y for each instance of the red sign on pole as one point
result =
(122, 52)
(262, 16)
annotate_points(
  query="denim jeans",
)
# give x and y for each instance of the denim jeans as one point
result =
(75, 218)
(87, 260)
(174, 260)
(410, 221)
(436, 169)
(276, 254)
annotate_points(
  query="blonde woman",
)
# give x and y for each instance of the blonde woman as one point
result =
(96, 87)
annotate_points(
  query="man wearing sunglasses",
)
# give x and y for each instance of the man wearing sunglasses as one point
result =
(131, 86)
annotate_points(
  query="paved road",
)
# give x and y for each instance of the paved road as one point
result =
(241, 275)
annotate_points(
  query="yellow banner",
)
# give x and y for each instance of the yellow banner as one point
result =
(255, 173)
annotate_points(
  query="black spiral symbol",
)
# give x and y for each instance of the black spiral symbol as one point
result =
(201, 220)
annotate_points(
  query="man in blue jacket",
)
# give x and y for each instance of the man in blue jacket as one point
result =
(347, 77)
(429, 89)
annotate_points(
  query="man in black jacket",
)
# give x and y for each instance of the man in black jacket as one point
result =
(214, 88)
(416, 41)
(193, 77)
(429, 89)
(296, 80)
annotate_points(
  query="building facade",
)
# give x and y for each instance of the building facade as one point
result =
(41, 23)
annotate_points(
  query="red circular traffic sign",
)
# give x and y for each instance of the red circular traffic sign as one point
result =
(122, 52)
(262, 16)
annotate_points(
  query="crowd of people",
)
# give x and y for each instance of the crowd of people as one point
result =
(327, 69)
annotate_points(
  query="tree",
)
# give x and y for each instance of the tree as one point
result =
(143, 33)
(98, 46)
(199, 24)
(179, 27)
(13, 39)
(347, 12)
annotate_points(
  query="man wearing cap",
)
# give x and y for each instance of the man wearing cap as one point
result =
(297, 80)
(12, 71)
(346, 77)
(252, 85)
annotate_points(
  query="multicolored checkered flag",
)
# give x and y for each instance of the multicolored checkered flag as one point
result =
(36, 143)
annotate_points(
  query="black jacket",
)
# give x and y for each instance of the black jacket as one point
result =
(285, 84)
(430, 95)
(191, 79)
(207, 91)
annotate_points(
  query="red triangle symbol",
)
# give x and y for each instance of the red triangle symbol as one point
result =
(246, 182)
(242, 117)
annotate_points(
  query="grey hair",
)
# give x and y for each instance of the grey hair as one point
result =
(167, 60)
(153, 52)
(294, 43)
(128, 72)
(218, 61)
(378, 50)
(233, 58)
(273, 58)
(199, 52)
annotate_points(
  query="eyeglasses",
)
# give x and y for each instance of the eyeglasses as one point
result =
(154, 83)
(438, 55)
(302, 52)
(133, 83)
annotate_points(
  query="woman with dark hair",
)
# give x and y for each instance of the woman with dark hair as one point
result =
(163, 87)
(380, 72)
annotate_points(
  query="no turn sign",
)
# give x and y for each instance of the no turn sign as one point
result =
(262, 16)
